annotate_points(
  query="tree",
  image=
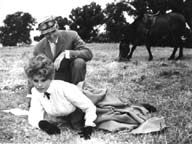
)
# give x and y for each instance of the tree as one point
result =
(62, 22)
(164, 5)
(16, 29)
(84, 20)
(138, 7)
(115, 20)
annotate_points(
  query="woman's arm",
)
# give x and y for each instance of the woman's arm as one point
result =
(78, 99)
(36, 111)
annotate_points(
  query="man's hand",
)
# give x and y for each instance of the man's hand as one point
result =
(58, 60)
(48, 127)
(86, 132)
(73, 54)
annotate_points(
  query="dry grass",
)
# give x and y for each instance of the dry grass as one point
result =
(165, 84)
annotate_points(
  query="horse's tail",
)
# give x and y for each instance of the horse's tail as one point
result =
(187, 32)
(186, 37)
(189, 23)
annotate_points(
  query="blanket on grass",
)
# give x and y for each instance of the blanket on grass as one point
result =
(114, 115)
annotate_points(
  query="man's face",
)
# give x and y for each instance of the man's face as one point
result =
(52, 36)
(40, 83)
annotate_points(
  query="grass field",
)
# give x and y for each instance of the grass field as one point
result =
(165, 84)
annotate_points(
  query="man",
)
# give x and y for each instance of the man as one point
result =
(66, 49)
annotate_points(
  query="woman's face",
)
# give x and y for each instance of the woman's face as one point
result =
(40, 83)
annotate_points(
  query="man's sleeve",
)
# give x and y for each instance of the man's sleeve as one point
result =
(80, 48)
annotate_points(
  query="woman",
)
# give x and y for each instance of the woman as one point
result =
(57, 98)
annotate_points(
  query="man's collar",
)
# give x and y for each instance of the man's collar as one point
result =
(54, 42)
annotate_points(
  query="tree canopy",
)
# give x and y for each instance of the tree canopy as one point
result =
(84, 20)
(115, 20)
(87, 19)
(16, 29)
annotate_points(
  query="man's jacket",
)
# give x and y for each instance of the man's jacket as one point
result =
(67, 40)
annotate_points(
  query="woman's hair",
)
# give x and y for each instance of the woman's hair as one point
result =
(40, 65)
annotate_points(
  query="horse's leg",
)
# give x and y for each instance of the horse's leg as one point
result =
(149, 51)
(174, 39)
(173, 53)
(132, 50)
(180, 53)
(178, 43)
(180, 50)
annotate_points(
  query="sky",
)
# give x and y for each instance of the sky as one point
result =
(40, 9)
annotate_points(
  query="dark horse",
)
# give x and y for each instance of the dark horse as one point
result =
(154, 30)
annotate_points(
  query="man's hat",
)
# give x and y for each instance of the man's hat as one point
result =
(48, 25)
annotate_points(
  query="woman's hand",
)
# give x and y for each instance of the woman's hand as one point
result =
(86, 132)
(48, 127)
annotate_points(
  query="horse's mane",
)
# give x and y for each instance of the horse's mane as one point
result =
(137, 19)
(136, 22)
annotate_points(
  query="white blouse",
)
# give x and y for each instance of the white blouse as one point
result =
(64, 98)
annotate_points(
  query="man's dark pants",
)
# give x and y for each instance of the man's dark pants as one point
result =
(72, 71)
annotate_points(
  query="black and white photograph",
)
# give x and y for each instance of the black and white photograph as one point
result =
(96, 72)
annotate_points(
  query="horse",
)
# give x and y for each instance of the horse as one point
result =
(154, 30)
(180, 6)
